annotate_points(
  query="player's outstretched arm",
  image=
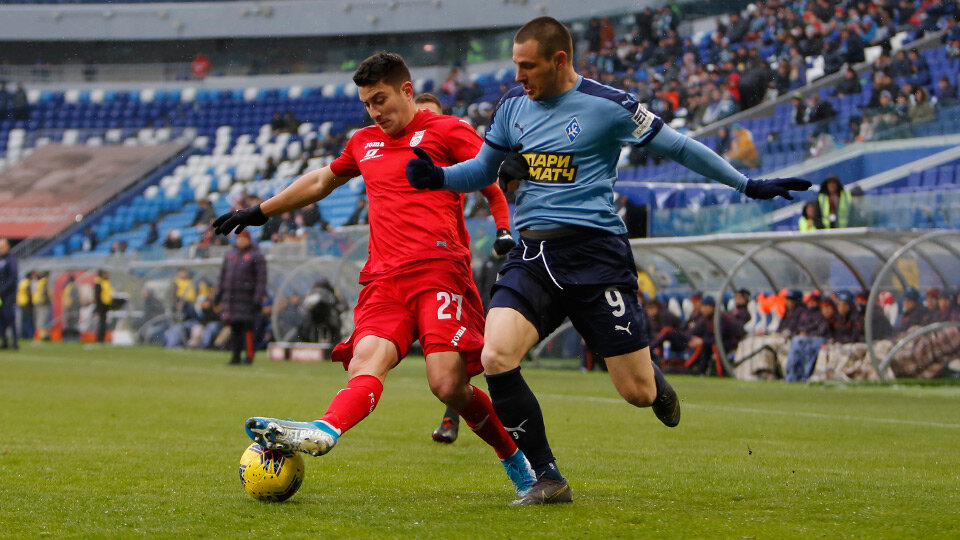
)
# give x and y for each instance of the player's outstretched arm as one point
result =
(466, 176)
(305, 190)
(695, 156)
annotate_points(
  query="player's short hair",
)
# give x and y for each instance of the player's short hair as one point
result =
(382, 66)
(427, 97)
(551, 36)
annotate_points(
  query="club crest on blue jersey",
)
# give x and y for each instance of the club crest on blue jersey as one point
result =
(572, 129)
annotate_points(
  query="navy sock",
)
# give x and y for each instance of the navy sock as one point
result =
(520, 413)
(659, 379)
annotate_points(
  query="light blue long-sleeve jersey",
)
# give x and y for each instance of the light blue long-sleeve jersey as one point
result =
(572, 143)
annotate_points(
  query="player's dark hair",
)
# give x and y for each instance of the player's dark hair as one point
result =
(382, 66)
(427, 97)
(551, 36)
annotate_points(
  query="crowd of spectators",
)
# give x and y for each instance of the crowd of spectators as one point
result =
(751, 55)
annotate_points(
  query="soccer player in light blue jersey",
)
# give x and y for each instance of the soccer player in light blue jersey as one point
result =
(555, 139)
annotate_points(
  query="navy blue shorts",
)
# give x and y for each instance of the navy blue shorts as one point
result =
(590, 278)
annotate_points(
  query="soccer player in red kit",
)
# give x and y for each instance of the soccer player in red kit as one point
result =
(417, 280)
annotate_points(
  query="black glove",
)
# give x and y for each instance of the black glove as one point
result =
(422, 173)
(504, 243)
(513, 169)
(239, 219)
(768, 189)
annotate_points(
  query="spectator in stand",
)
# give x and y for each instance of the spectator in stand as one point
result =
(851, 46)
(200, 67)
(899, 66)
(277, 124)
(4, 101)
(834, 203)
(799, 113)
(921, 111)
(781, 79)
(359, 215)
(849, 85)
(818, 110)
(204, 215)
(152, 234)
(919, 69)
(882, 83)
(809, 217)
(946, 92)
(89, 241)
(172, 240)
(21, 107)
(291, 122)
(743, 151)
(269, 169)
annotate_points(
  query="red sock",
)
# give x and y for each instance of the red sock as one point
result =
(353, 403)
(483, 421)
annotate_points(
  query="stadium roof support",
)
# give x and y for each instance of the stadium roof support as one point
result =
(828, 260)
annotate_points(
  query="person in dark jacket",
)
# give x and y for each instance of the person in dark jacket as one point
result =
(664, 326)
(813, 322)
(849, 85)
(794, 312)
(847, 324)
(241, 291)
(702, 338)
(740, 312)
(8, 294)
(914, 314)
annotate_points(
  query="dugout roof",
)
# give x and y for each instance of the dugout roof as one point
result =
(829, 260)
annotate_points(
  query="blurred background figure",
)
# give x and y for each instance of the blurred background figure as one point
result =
(8, 295)
(241, 293)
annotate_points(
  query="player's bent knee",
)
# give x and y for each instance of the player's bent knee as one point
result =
(495, 361)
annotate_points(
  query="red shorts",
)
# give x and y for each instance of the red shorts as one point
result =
(436, 302)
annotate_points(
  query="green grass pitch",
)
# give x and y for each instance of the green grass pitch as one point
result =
(120, 442)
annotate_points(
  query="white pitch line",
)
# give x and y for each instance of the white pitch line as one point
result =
(776, 412)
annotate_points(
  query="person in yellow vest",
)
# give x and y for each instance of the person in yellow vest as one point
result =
(834, 203)
(42, 306)
(103, 296)
(809, 218)
(70, 306)
(25, 301)
(645, 284)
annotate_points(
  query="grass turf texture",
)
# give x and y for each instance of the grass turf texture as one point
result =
(122, 442)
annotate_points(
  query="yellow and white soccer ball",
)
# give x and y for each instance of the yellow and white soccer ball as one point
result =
(270, 475)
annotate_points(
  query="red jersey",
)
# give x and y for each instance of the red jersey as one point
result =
(408, 225)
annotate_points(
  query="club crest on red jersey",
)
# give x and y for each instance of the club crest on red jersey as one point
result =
(417, 137)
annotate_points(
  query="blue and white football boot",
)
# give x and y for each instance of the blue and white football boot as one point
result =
(314, 438)
(520, 472)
